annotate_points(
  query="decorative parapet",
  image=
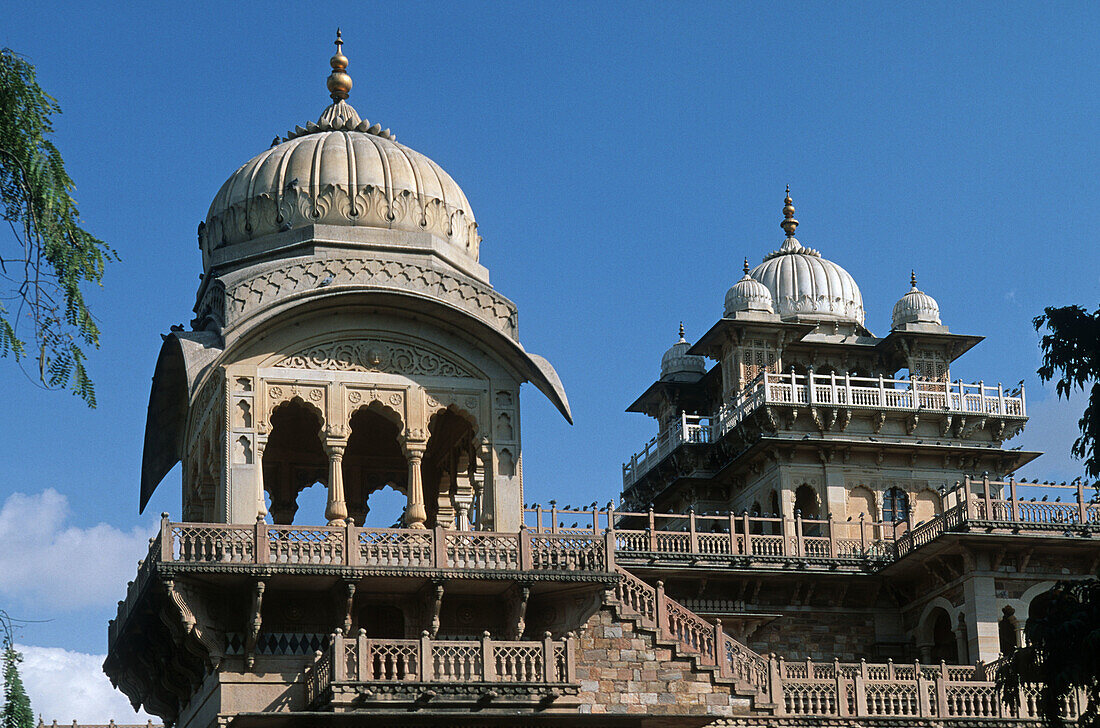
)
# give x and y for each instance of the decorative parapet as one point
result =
(542, 669)
(817, 390)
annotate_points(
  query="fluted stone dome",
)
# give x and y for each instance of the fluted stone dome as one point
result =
(915, 307)
(804, 284)
(341, 170)
(678, 366)
(748, 294)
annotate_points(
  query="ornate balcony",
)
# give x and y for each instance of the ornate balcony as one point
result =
(360, 673)
(831, 390)
(438, 552)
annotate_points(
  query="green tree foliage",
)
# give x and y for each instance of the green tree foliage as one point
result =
(16, 712)
(1071, 351)
(50, 257)
(1062, 654)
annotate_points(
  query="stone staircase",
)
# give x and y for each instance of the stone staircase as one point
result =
(730, 663)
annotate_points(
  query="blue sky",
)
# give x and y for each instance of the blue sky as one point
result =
(621, 161)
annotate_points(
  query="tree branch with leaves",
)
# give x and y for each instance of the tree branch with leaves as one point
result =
(50, 257)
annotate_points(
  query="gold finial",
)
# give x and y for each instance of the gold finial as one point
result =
(339, 82)
(746, 268)
(913, 279)
(681, 331)
(789, 223)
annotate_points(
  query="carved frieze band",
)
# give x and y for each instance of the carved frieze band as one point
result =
(330, 204)
(374, 355)
(260, 290)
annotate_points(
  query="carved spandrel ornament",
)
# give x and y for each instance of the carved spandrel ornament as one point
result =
(367, 355)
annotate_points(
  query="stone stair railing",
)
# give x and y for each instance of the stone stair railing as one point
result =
(708, 644)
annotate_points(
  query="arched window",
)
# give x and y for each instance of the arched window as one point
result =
(895, 506)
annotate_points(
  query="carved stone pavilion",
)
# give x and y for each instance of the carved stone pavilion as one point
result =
(825, 531)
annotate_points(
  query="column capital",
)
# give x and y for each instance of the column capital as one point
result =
(336, 448)
(414, 448)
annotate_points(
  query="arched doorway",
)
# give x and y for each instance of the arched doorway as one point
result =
(448, 470)
(806, 504)
(293, 459)
(944, 646)
(373, 459)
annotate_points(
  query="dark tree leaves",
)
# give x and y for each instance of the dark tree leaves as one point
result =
(1062, 654)
(49, 257)
(1071, 352)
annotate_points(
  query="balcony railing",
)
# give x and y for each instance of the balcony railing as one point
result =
(650, 537)
(827, 390)
(362, 659)
(865, 690)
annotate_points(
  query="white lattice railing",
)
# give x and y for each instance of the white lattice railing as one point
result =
(830, 390)
(427, 660)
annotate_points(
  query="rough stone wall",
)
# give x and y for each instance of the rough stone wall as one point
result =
(621, 670)
(819, 635)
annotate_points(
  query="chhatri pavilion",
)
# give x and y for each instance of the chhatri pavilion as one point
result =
(825, 530)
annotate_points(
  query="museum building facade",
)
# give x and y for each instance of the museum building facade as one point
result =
(826, 528)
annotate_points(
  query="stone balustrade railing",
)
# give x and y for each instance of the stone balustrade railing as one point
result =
(438, 548)
(361, 659)
(827, 390)
(688, 537)
(866, 690)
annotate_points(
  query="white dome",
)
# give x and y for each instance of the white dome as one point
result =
(804, 284)
(748, 294)
(678, 366)
(915, 307)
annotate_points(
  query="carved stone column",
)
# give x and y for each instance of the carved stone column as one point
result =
(261, 505)
(415, 512)
(336, 510)
(485, 486)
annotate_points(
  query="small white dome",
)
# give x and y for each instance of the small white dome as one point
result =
(915, 307)
(804, 284)
(678, 366)
(748, 294)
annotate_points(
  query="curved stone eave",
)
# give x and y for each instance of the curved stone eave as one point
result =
(534, 368)
(183, 358)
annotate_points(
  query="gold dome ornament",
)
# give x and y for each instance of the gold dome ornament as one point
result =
(789, 224)
(339, 82)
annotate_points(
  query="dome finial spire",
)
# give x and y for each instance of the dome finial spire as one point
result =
(789, 223)
(746, 266)
(339, 82)
(682, 332)
(913, 278)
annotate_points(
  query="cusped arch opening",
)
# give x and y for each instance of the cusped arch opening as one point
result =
(374, 459)
(294, 459)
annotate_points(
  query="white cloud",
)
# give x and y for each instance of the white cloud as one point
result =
(57, 567)
(67, 686)
(1052, 428)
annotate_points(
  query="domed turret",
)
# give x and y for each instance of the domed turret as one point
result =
(805, 285)
(342, 170)
(915, 307)
(678, 366)
(748, 295)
